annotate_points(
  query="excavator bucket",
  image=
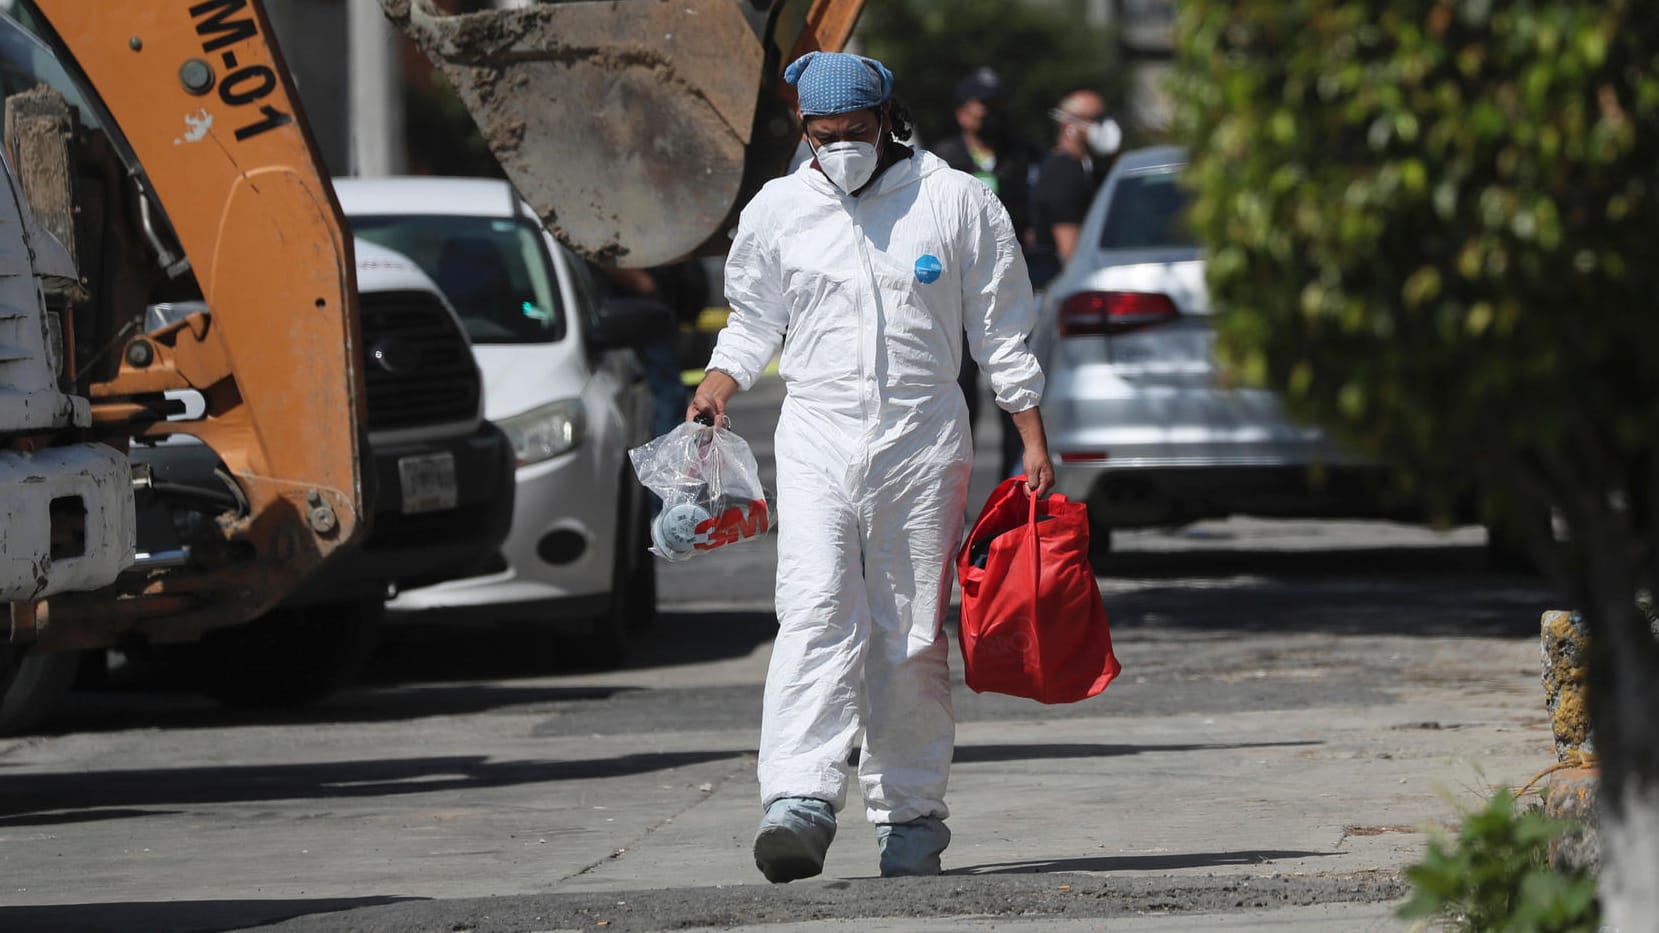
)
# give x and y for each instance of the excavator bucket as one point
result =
(636, 129)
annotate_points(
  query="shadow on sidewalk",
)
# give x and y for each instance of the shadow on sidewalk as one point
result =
(150, 706)
(1223, 559)
(144, 916)
(424, 649)
(115, 794)
(422, 668)
(981, 754)
(1138, 863)
(1337, 605)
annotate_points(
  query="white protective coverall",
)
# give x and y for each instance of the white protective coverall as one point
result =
(870, 297)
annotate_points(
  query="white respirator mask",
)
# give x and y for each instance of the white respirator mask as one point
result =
(1103, 138)
(848, 165)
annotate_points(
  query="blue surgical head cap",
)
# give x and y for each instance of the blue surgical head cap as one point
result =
(836, 82)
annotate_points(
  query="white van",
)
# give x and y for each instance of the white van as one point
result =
(561, 379)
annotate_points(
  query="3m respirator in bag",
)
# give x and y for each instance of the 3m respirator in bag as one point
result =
(710, 489)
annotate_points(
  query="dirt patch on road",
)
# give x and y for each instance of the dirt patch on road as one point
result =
(1026, 896)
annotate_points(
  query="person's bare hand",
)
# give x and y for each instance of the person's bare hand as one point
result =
(1039, 472)
(1039, 469)
(710, 399)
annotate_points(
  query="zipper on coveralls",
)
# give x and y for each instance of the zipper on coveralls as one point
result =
(871, 401)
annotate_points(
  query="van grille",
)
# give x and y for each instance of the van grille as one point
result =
(417, 364)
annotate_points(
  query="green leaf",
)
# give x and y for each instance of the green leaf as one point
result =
(1351, 400)
(1479, 318)
(1414, 175)
(1422, 287)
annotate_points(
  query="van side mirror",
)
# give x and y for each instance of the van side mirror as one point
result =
(630, 323)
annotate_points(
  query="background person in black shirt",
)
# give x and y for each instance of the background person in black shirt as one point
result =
(1067, 179)
(986, 149)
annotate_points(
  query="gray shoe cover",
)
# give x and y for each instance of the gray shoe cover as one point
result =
(793, 837)
(912, 848)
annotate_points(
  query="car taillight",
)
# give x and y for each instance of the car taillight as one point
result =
(1097, 313)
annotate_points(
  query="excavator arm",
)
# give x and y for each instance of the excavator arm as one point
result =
(637, 129)
(200, 98)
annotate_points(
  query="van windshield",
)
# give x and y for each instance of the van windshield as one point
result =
(494, 270)
(1147, 212)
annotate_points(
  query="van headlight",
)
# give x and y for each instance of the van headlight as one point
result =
(546, 431)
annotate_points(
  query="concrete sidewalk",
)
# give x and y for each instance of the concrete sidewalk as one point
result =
(1270, 819)
(1286, 730)
(1323, 806)
(1317, 918)
(1296, 820)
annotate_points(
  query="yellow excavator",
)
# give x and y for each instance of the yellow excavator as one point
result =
(158, 159)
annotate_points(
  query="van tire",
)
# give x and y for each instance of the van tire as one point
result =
(35, 682)
(642, 575)
(632, 602)
(285, 658)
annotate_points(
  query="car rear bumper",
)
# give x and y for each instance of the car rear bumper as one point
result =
(1143, 454)
(1093, 411)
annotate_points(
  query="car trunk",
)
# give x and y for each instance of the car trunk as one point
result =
(1174, 344)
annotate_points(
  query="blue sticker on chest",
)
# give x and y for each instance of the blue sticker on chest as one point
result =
(928, 268)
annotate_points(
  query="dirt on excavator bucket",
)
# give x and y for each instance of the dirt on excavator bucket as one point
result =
(636, 129)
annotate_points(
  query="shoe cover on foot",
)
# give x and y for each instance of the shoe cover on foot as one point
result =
(912, 848)
(793, 837)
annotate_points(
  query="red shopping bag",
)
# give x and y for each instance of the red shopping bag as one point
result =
(1033, 622)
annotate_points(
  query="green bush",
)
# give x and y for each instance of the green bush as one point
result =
(1495, 876)
(1432, 223)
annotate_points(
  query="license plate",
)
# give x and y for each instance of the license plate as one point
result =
(428, 482)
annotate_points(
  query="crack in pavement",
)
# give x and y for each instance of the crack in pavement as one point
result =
(748, 765)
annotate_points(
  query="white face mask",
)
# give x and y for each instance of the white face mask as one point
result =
(1102, 138)
(850, 164)
(1105, 137)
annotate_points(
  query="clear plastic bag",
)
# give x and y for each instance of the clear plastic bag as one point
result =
(710, 489)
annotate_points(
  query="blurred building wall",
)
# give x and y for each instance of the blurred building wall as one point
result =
(312, 35)
(1146, 43)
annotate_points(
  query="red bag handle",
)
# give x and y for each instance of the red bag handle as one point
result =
(1036, 551)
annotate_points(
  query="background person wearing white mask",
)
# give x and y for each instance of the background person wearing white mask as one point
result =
(1067, 179)
(867, 266)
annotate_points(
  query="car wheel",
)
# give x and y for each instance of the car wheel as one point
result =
(642, 574)
(633, 597)
(34, 683)
(285, 658)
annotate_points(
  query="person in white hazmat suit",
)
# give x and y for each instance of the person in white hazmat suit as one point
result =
(868, 266)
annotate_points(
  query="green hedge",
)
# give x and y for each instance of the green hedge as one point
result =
(1432, 225)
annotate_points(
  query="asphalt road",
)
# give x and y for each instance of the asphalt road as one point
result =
(1298, 700)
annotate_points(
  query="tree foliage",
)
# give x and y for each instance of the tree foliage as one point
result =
(1042, 51)
(1432, 226)
(1433, 222)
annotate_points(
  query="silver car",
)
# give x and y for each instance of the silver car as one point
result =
(1141, 424)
